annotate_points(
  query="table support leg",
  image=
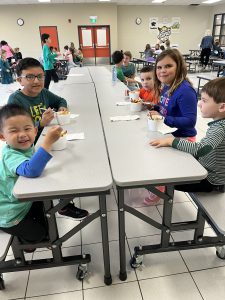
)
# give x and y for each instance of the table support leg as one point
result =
(105, 239)
(53, 232)
(167, 217)
(121, 216)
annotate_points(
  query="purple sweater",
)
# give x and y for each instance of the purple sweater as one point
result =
(180, 109)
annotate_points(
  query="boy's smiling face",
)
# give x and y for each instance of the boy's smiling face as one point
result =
(19, 132)
(147, 80)
(32, 87)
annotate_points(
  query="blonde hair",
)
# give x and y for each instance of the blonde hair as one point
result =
(2, 52)
(181, 71)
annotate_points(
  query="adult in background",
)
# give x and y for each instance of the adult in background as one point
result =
(8, 49)
(148, 52)
(48, 61)
(206, 46)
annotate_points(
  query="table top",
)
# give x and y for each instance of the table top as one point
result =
(81, 168)
(207, 77)
(76, 75)
(133, 161)
(219, 62)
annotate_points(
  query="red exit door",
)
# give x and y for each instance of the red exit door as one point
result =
(95, 44)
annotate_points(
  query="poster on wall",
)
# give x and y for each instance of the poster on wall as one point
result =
(175, 24)
(164, 33)
(153, 23)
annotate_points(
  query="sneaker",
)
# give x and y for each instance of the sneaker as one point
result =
(73, 212)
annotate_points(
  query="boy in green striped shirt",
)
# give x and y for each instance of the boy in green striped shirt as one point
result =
(210, 151)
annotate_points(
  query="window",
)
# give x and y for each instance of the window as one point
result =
(219, 28)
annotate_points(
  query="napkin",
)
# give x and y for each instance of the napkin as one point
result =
(122, 103)
(75, 136)
(75, 75)
(125, 118)
(73, 116)
(164, 129)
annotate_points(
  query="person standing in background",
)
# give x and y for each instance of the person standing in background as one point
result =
(8, 49)
(206, 46)
(48, 61)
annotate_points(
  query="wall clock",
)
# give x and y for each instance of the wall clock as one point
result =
(138, 21)
(20, 22)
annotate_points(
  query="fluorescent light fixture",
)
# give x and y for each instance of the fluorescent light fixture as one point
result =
(211, 1)
(158, 1)
(44, 1)
(104, 0)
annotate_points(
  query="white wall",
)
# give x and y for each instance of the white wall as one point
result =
(194, 22)
(125, 34)
(27, 37)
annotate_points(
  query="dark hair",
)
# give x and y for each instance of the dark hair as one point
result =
(127, 53)
(162, 47)
(147, 69)
(12, 110)
(3, 43)
(51, 48)
(72, 51)
(66, 47)
(44, 37)
(215, 89)
(27, 63)
(117, 57)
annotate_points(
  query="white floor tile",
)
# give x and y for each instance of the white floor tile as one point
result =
(92, 233)
(96, 267)
(123, 291)
(15, 285)
(157, 264)
(211, 283)
(53, 280)
(64, 225)
(141, 228)
(198, 259)
(174, 287)
(182, 212)
(63, 296)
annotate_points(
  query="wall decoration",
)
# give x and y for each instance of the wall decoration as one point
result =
(175, 24)
(153, 23)
(164, 33)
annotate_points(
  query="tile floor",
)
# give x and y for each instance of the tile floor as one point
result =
(187, 275)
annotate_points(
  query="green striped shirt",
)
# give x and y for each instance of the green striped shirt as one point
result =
(210, 151)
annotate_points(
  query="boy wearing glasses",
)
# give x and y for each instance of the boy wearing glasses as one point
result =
(39, 102)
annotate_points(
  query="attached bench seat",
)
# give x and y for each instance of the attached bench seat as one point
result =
(213, 204)
(5, 242)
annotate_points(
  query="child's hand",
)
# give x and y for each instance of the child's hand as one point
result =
(52, 135)
(47, 117)
(164, 142)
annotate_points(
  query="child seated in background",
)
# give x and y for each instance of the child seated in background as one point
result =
(17, 54)
(6, 74)
(25, 220)
(38, 101)
(117, 58)
(147, 93)
(129, 71)
(210, 150)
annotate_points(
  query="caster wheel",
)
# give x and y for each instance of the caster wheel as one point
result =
(220, 252)
(2, 285)
(136, 261)
(81, 272)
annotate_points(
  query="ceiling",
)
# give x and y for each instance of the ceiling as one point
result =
(118, 2)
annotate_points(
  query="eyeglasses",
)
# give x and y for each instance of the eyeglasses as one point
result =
(31, 77)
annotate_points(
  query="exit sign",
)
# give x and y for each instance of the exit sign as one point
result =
(93, 19)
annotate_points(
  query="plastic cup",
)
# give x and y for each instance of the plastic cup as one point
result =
(134, 95)
(135, 106)
(63, 118)
(60, 144)
(154, 124)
